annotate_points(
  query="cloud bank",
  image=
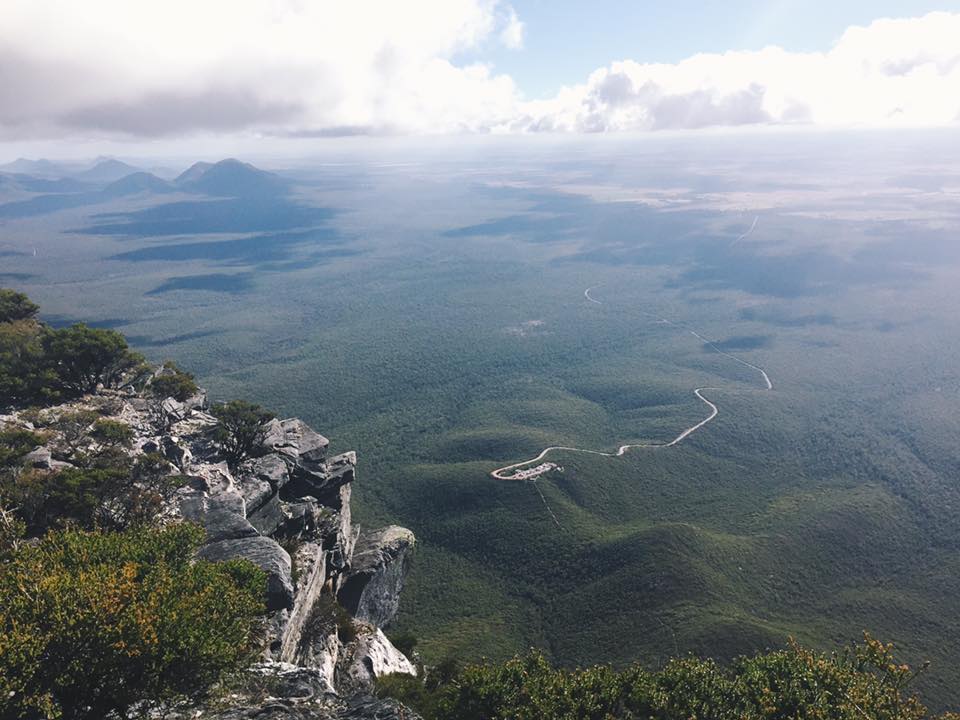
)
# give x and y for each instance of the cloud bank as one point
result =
(893, 72)
(108, 68)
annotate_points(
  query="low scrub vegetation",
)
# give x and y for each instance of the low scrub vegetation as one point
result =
(862, 681)
(101, 487)
(104, 611)
(93, 624)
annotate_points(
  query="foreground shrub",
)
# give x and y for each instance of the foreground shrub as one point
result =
(861, 682)
(15, 443)
(106, 497)
(74, 496)
(91, 624)
(12, 531)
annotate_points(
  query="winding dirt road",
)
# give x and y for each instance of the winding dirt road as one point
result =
(714, 411)
(502, 473)
(586, 294)
(749, 230)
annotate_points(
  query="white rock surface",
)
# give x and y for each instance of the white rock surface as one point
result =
(372, 655)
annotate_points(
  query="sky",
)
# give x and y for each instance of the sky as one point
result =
(563, 41)
(142, 71)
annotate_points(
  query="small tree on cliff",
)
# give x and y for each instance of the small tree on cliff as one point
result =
(25, 375)
(15, 306)
(240, 428)
(169, 382)
(173, 382)
(83, 358)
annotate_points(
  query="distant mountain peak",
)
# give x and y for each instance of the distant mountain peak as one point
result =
(136, 183)
(230, 178)
(192, 173)
(26, 166)
(107, 170)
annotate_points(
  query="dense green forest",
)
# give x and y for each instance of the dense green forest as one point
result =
(102, 613)
(99, 612)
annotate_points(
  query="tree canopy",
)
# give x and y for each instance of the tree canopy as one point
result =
(40, 365)
(83, 358)
(15, 306)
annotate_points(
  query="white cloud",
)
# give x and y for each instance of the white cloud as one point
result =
(894, 72)
(103, 68)
(513, 30)
(274, 65)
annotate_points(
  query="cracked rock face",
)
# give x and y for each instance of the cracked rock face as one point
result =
(371, 591)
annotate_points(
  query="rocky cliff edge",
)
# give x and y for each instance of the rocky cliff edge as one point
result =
(286, 509)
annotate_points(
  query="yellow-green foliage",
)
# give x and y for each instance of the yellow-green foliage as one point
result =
(859, 683)
(93, 623)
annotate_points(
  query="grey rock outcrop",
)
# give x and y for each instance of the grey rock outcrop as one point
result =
(39, 458)
(371, 591)
(265, 553)
(218, 516)
(300, 693)
(370, 656)
(176, 453)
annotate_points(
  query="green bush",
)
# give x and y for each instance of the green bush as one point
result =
(15, 443)
(25, 375)
(862, 681)
(112, 433)
(41, 365)
(81, 497)
(15, 306)
(104, 489)
(91, 624)
(240, 428)
(73, 428)
(83, 358)
(150, 489)
(173, 382)
(107, 495)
